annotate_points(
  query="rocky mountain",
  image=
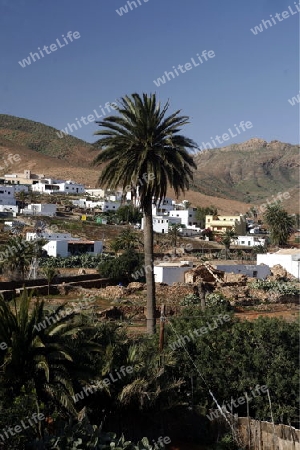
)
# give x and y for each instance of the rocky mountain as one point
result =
(249, 172)
(233, 178)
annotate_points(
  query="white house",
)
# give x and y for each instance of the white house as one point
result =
(9, 209)
(169, 273)
(96, 192)
(39, 209)
(289, 259)
(7, 195)
(190, 231)
(249, 241)
(260, 271)
(72, 247)
(187, 217)
(108, 205)
(104, 205)
(164, 207)
(161, 223)
(51, 186)
(63, 244)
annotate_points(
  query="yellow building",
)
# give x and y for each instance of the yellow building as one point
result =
(219, 224)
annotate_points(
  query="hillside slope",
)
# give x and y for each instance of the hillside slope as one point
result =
(43, 139)
(250, 172)
(232, 178)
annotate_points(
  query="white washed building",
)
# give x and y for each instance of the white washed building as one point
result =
(187, 217)
(249, 241)
(289, 259)
(161, 223)
(39, 209)
(73, 247)
(169, 273)
(7, 195)
(51, 186)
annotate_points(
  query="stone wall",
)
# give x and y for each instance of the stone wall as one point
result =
(263, 436)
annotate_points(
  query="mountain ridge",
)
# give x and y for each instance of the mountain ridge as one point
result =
(243, 174)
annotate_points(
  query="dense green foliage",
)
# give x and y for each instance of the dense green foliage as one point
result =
(278, 287)
(281, 224)
(128, 213)
(42, 370)
(122, 266)
(235, 357)
(80, 261)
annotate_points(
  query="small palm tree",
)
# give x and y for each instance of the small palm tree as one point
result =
(50, 273)
(40, 353)
(17, 257)
(173, 232)
(126, 240)
(226, 238)
(138, 143)
(281, 224)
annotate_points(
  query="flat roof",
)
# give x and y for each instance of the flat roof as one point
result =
(178, 264)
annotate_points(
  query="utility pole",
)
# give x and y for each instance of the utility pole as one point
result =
(162, 328)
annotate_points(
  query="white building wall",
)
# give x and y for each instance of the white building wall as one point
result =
(40, 209)
(187, 216)
(251, 270)
(55, 248)
(95, 192)
(249, 241)
(60, 247)
(66, 187)
(7, 195)
(161, 223)
(98, 247)
(169, 274)
(290, 262)
(8, 208)
(108, 205)
(165, 207)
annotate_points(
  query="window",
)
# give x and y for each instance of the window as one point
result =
(208, 220)
(190, 215)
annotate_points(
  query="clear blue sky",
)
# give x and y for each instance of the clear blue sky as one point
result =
(250, 78)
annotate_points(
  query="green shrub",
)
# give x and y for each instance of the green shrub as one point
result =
(189, 300)
(277, 287)
(217, 299)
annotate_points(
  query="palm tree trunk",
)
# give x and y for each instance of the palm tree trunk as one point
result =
(148, 249)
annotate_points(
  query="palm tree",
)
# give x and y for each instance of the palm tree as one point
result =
(281, 224)
(226, 238)
(138, 143)
(126, 240)
(173, 232)
(40, 352)
(50, 273)
(17, 257)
